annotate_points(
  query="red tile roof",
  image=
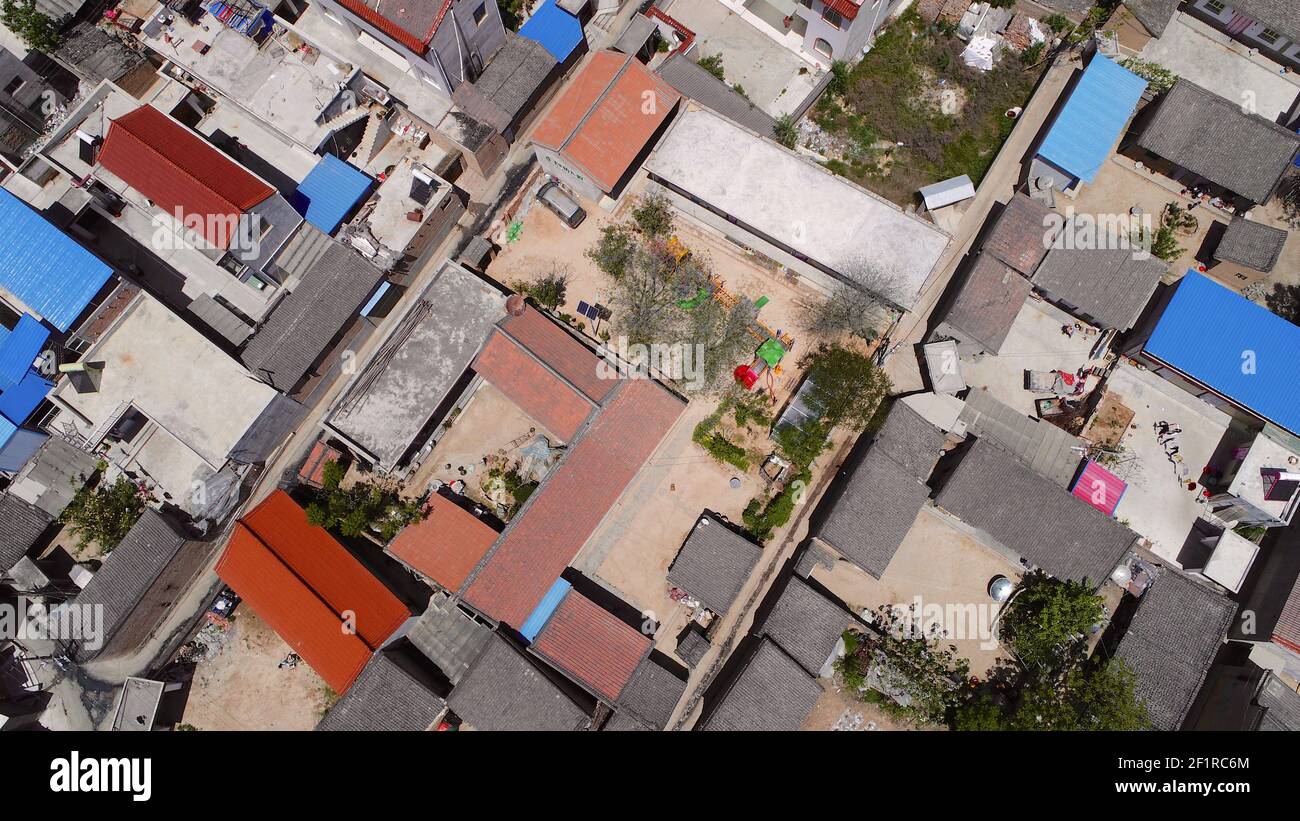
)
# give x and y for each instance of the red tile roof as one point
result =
(446, 545)
(181, 172)
(308, 588)
(607, 115)
(848, 9)
(561, 352)
(414, 41)
(592, 645)
(537, 391)
(573, 501)
(313, 470)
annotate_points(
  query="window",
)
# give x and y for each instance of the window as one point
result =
(1269, 36)
(13, 86)
(823, 48)
(1214, 6)
(833, 17)
(480, 13)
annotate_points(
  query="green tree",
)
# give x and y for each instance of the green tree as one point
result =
(713, 65)
(847, 386)
(1099, 698)
(909, 665)
(36, 29)
(548, 290)
(653, 215)
(363, 507)
(786, 131)
(1048, 619)
(981, 712)
(104, 513)
(615, 251)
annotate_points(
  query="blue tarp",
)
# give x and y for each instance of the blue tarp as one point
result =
(1233, 346)
(18, 402)
(1092, 120)
(542, 612)
(244, 16)
(43, 267)
(557, 30)
(18, 350)
(329, 192)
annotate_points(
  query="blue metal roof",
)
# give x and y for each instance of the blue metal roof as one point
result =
(7, 431)
(1092, 120)
(558, 31)
(1233, 346)
(329, 192)
(18, 350)
(43, 267)
(542, 612)
(18, 402)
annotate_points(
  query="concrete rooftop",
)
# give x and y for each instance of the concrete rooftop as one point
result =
(158, 364)
(1212, 60)
(1157, 504)
(397, 392)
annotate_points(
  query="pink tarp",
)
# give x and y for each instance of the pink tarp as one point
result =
(1099, 488)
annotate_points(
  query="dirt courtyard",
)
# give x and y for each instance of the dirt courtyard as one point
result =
(242, 688)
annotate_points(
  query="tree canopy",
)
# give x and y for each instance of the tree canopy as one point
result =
(847, 386)
(1048, 618)
(35, 28)
(104, 513)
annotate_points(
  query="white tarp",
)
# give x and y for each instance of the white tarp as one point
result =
(979, 53)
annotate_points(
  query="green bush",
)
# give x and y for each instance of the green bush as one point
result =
(762, 519)
(104, 513)
(713, 65)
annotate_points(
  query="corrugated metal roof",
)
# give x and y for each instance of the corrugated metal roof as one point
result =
(557, 30)
(181, 172)
(45, 268)
(329, 192)
(1093, 119)
(18, 402)
(1232, 346)
(301, 582)
(545, 609)
(1099, 488)
(18, 350)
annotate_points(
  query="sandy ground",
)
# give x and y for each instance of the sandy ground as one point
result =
(939, 565)
(243, 689)
(836, 710)
(547, 245)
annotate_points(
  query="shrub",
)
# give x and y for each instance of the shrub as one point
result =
(713, 65)
(786, 132)
(104, 513)
(653, 215)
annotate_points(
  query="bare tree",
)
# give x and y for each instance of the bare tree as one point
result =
(860, 309)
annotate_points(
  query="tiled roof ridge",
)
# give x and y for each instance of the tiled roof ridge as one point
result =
(502, 329)
(600, 98)
(122, 121)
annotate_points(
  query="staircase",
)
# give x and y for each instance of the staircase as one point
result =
(366, 148)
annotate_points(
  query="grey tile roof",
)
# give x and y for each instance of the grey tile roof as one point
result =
(1211, 136)
(806, 624)
(448, 636)
(335, 283)
(692, 646)
(129, 571)
(1171, 642)
(770, 693)
(508, 84)
(1154, 15)
(503, 690)
(53, 476)
(1283, 16)
(1041, 445)
(714, 563)
(626, 722)
(1109, 285)
(910, 440)
(1020, 236)
(651, 694)
(990, 297)
(993, 491)
(384, 697)
(21, 525)
(1281, 704)
(683, 74)
(873, 512)
(1251, 244)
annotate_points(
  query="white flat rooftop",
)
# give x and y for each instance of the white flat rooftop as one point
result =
(1248, 484)
(158, 364)
(1231, 561)
(796, 202)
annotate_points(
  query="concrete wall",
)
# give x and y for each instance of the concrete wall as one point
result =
(458, 41)
(568, 174)
(1282, 49)
(846, 43)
